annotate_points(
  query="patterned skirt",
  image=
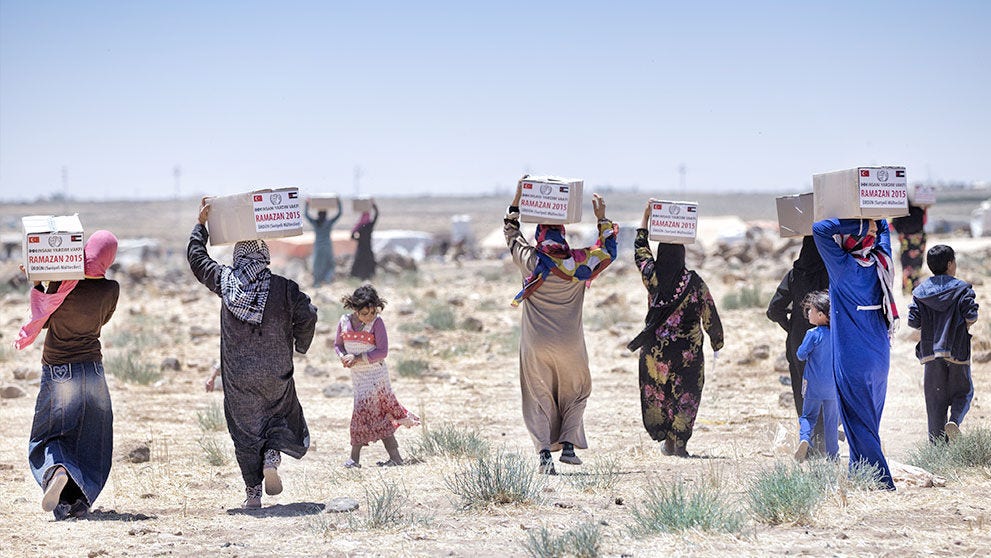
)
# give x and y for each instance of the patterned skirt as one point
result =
(913, 250)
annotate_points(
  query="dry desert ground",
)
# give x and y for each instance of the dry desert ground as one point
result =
(176, 503)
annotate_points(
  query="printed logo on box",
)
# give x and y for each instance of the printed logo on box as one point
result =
(880, 190)
(54, 241)
(276, 214)
(545, 201)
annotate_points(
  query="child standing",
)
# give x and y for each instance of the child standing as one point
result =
(818, 383)
(362, 345)
(944, 308)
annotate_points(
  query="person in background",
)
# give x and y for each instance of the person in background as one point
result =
(362, 345)
(912, 237)
(323, 247)
(807, 274)
(818, 383)
(555, 380)
(263, 317)
(944, 308)
(863, 315)
(672, 366)
(364, 258)
(72, 435)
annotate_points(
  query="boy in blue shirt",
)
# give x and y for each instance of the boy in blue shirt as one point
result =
(818, 383)
(944, 308)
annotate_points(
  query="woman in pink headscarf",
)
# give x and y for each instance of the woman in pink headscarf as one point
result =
(364, 258)
(72, 432)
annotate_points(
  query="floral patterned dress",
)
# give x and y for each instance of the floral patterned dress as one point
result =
(671, 361)
(377, 413)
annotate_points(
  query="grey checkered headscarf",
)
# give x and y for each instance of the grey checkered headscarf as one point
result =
(244, 287)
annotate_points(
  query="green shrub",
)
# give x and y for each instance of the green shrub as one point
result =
(440, 317)
(675, 507)
(786, 493)
(387, 506)
(865, 476)
(601, 474)
(212, 418)
(216, 452)
(412, 368)
(971, 450)
(582, 542)
(450, 441)
(747, 297)
(130, 367)
(502, 478)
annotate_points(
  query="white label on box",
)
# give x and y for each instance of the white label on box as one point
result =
(673, 219)
(54, 253)
(924, 195)
(277, 211)
(884, 188)
(541, 199)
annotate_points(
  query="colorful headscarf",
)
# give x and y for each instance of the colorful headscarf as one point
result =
(244, 286)
(555, 256)
(865, 252)
(98, 255)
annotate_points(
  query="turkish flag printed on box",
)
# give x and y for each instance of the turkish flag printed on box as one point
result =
(865, 172)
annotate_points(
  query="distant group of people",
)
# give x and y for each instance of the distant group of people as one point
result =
(363, 266)
(836, 304)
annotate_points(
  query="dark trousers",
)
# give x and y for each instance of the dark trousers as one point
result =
(947, 387)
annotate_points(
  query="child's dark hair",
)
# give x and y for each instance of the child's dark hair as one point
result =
(363, 297)
(938, 258)
(818, 300)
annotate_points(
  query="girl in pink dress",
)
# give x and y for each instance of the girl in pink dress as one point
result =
(362, 345)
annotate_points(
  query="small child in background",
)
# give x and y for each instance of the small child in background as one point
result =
(362, 345)
(818, 383)
(944, 308)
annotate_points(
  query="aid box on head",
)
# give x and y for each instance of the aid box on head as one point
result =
(551, 200)
(795, 215)
(673, 222)
(253, 215)
(860, 193)
(324, 202)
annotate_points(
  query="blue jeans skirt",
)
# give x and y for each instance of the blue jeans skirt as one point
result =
(73, 427)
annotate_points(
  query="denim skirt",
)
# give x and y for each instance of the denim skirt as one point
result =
(73, 427)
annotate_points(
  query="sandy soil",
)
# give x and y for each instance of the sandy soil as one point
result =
(177, 504)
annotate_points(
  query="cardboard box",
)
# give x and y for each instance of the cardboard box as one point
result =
(673, 222)
(795, 215)
(860, 193)
(253, 215)
(922, 195)
(551, 200)
(53, 247)
(362, 204)
(324, 202)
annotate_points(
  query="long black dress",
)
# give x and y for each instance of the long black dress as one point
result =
(672, 366)
(260, 400)
(807, 274)
(364, 258)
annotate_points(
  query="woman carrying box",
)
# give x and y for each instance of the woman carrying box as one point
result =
(263, 317)
(554, 374)
(364, 258)
(72, 435)
(671, 361)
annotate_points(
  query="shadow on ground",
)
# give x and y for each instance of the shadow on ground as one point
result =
(279, 510)
(113, 515)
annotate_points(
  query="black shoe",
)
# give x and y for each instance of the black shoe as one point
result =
(568, 454)
(546, 466)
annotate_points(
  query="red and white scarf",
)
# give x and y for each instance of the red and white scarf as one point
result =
(866, 253)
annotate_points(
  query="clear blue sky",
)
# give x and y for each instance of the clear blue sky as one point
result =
(448, 97)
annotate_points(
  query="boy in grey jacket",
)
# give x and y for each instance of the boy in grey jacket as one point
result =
(944, 308)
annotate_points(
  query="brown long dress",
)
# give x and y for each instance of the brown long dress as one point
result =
(554, 374)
